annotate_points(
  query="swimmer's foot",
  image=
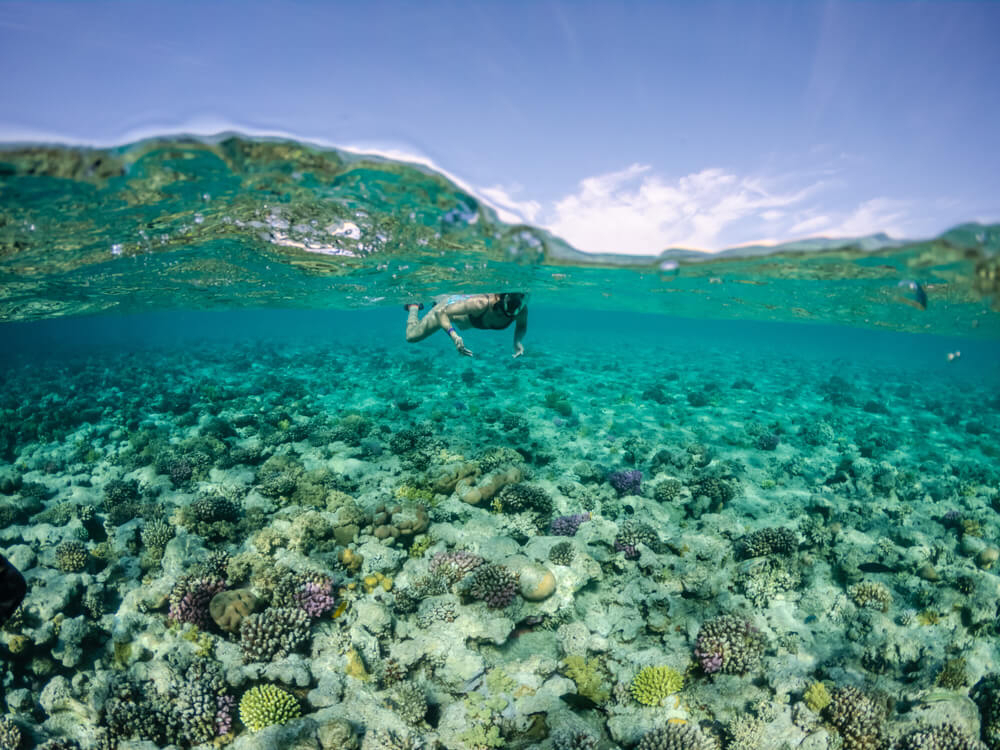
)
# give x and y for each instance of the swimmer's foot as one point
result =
(418, 305)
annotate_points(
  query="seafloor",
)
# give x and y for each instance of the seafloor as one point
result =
(315, 544)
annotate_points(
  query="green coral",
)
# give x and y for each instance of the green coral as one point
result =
(479, 711)
(201, 640)
(559, 403)
(482, 709)
(482, 737)
(498, 681)
(266, 705)
(653, 684)
(588, 676)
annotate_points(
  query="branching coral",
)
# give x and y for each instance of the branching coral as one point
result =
(274, 633)
(653, 684)
(494, 584)
(266, 705)
(729, 644)
(191, 598)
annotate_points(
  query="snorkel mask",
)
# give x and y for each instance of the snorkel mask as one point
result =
(513, 303)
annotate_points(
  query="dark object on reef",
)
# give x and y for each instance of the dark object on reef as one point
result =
(915, 296)
(580, 702)
(12, 589)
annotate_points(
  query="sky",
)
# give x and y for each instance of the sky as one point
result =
(621, 127)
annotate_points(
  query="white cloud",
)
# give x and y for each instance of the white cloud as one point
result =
(809, 226)
(875, 215)
(636, 211)
(508, 207)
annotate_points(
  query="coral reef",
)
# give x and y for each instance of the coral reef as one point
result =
(191, 597)
(633, 533)
(768, 541)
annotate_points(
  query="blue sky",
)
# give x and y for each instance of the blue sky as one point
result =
(627, 127)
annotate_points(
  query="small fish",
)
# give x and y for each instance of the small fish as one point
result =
(874, 567)
(580, 702)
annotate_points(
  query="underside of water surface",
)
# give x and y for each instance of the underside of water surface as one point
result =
(237, 222)
(742, 501)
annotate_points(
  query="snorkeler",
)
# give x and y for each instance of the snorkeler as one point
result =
(486, 311)
(12, 589)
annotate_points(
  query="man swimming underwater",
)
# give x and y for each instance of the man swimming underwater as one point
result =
(486, 311)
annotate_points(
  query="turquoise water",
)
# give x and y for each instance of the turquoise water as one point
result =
(790, 468)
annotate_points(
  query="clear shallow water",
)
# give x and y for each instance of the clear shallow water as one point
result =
(798, 392)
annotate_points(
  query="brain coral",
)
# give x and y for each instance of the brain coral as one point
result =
(228, 608)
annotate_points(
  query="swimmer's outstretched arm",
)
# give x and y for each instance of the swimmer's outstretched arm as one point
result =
(462, 307)
(520, 329)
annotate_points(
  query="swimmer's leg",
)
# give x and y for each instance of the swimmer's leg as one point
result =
(418, 330)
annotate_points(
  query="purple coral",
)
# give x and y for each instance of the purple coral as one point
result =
(224, 713)
(568, 525)
(494, 584)
(630, 550)
(626, 482)
(768, 442)
(315, 599)
(190, 597)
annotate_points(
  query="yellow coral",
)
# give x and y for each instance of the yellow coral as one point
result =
(372, 582)
(817, 697)
(413, 494)
(653, 684)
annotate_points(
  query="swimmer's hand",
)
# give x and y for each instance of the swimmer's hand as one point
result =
(460, 345)
(518, 350)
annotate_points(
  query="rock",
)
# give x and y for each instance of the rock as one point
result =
(928, 572)
(21, 556)
(337, 734)
(295, 735)
(987, 557)
(69, 648)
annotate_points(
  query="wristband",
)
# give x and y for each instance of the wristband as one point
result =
(451, 330)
